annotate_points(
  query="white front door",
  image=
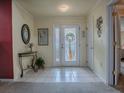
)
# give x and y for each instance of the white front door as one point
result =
(66, 45)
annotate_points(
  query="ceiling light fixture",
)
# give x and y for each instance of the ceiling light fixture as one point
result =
(63, 8)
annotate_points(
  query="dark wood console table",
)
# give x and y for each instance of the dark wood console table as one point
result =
(27, 54)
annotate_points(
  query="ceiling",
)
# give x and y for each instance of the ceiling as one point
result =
(51, 7)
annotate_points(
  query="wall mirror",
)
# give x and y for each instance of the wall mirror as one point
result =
(25, 33)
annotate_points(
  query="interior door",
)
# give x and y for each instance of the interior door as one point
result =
(90, 43)
(66, 45)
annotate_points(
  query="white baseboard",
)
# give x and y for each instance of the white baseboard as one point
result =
(6, 80)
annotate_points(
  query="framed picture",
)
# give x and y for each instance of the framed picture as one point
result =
(43, 36)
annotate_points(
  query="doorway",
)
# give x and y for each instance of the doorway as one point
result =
(120, 81)
(119, 76)
(115, 11)
(66, 45)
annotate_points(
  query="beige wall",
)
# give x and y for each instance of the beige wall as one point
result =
(19, 17)
(48, 22)
(100, 44)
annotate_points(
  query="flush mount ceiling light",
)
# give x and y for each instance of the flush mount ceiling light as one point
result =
(63, 8)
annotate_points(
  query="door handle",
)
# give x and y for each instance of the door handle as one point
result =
(62, 46)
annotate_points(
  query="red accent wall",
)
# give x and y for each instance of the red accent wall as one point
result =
(6, 61)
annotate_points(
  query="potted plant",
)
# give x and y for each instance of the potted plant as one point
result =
(40, 63)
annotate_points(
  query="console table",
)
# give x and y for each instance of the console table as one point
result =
(27, 54)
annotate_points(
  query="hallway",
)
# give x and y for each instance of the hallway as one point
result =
(60, 74)
(69, 40)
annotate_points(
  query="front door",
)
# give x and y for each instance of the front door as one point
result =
(66, 45)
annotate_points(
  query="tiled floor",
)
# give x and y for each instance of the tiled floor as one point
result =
(61, 74)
